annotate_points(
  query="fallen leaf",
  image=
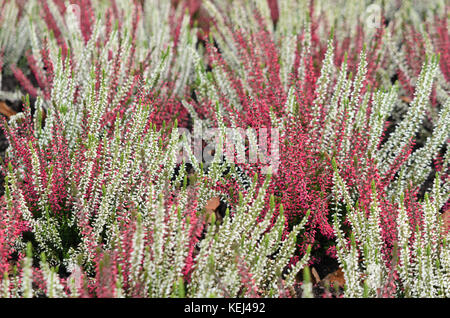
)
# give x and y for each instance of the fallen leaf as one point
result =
(213, 204)
(406, 99)
(6, 110)
(335, 279)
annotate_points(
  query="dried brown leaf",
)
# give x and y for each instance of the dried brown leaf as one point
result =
(6, 110)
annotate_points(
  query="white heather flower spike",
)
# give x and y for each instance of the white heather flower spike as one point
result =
(422, 266)
(406, 129)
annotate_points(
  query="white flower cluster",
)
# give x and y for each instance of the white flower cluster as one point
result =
(139, 172)
(423, 257)
(13, 42)
(242, 238)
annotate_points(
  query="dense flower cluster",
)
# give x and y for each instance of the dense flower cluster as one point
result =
(328, 128)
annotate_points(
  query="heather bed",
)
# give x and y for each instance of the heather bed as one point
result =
(225, 149)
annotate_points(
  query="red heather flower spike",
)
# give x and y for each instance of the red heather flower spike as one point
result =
(24, 81)
(87, 19)
(249, 286)
(41, 79)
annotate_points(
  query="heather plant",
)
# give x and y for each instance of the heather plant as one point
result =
(258, 255)
(13, 42)
(321, 128)
(146, 44)
(419, 267)
(323, 113)
(133, 228)
(13, 34)
(419, 31)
